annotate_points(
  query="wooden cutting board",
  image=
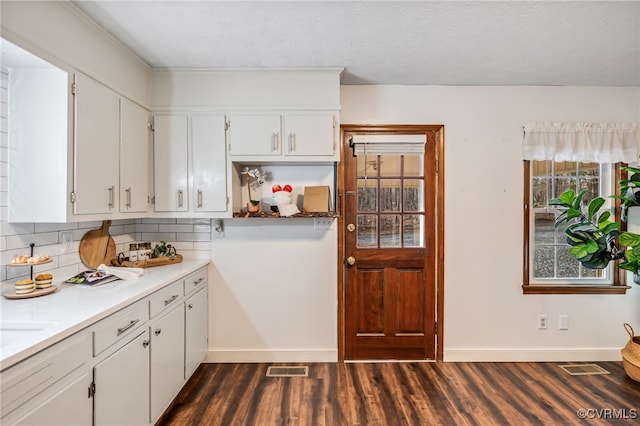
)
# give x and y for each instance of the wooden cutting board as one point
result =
(97, 246)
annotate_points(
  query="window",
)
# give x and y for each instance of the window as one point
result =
(548, 267)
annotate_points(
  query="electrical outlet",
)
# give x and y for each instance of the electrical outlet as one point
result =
(542, 322)
(67, 242)
(321, 223)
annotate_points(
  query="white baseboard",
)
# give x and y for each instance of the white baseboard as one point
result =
(266, 355)
(531, 354)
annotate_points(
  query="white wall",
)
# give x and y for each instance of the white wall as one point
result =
(486, 315)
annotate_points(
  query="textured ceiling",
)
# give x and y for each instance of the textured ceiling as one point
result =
(589, 43)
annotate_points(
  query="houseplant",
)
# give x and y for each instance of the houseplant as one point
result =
(256, 175)
(594, 239)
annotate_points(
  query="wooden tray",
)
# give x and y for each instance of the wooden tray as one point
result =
(147, 263)
(30, 264)
(37, 292)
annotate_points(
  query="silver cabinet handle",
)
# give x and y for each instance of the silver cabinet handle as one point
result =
(190, 305)
(171, 299)
(198, 281)
(128, 193)
(274, 139)
(128, 326)
(199, 198)
(180, 197)
(145, 343)
(292, 142)
(111, 190)
(158, 331)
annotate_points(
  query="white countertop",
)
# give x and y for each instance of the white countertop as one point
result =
(74, 307)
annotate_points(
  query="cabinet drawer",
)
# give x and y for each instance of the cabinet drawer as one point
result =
(166, 298)
(119, 325)
(195, 281)
(23, 381)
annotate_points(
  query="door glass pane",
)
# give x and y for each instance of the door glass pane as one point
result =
(390, 195)
(540, 192)
(390, 230)
(367, 231)
(413, 195)
(367, 195)
(413, 165)
(412, 229)
(544, 262)
(367, 165)
(390, 165)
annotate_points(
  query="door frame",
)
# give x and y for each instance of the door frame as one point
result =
(438, 129)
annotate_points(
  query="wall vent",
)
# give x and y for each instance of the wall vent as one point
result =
(287, 371)
(583, 369)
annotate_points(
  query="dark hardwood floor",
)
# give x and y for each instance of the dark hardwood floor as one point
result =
(407, 394)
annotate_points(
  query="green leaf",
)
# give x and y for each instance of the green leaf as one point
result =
(572, 213)
(607, 227)
(579, 251)
(594, 206)
(604, 216)
(592, 247)
(628, 266)
(568, 196)
(578, 200)
(629, 239)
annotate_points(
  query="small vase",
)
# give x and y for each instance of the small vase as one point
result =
(251, 208)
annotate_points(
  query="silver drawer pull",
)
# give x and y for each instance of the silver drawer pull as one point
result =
(198, 281)
(174, 297)
(158, 331)
(128, 326)
(190, 305)
(145, 343)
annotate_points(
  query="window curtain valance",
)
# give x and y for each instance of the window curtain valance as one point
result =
(585, 142)
(397, 144)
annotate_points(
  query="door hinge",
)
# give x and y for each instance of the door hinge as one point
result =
(227, 124)
(74, 88)
(92, 390)
(151, 127)
(435, 327)
(73, 197)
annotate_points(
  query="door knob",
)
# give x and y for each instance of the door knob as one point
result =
(351, 260)
(351, 227)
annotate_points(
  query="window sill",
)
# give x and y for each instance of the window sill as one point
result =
(574, 289)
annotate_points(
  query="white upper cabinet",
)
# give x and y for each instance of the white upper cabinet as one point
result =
(209, 163)
(255, 134)
(285, 137)
(134, 157)
(97, 123)
(170, 172)
(311, 135)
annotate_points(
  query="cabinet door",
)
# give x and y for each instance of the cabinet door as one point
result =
(309, 134)
(97, 133)
(170, 170)
(134, 157)
(69, 406)
(167, 360)
(122, 385)
(196, 331)
(209, 163)
(255, 135)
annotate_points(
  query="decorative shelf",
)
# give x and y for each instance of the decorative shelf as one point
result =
(262, 214)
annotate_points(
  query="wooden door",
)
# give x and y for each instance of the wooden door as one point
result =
(390, 244)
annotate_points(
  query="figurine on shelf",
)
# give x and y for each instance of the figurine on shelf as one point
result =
(253, 205)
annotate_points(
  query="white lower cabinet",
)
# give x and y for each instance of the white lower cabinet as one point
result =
(122, 384)
(125, 369)
(167, 360)
(195, 334)
(69, 406)
(50, 387)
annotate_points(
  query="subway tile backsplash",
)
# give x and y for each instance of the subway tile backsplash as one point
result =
(192, 241)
